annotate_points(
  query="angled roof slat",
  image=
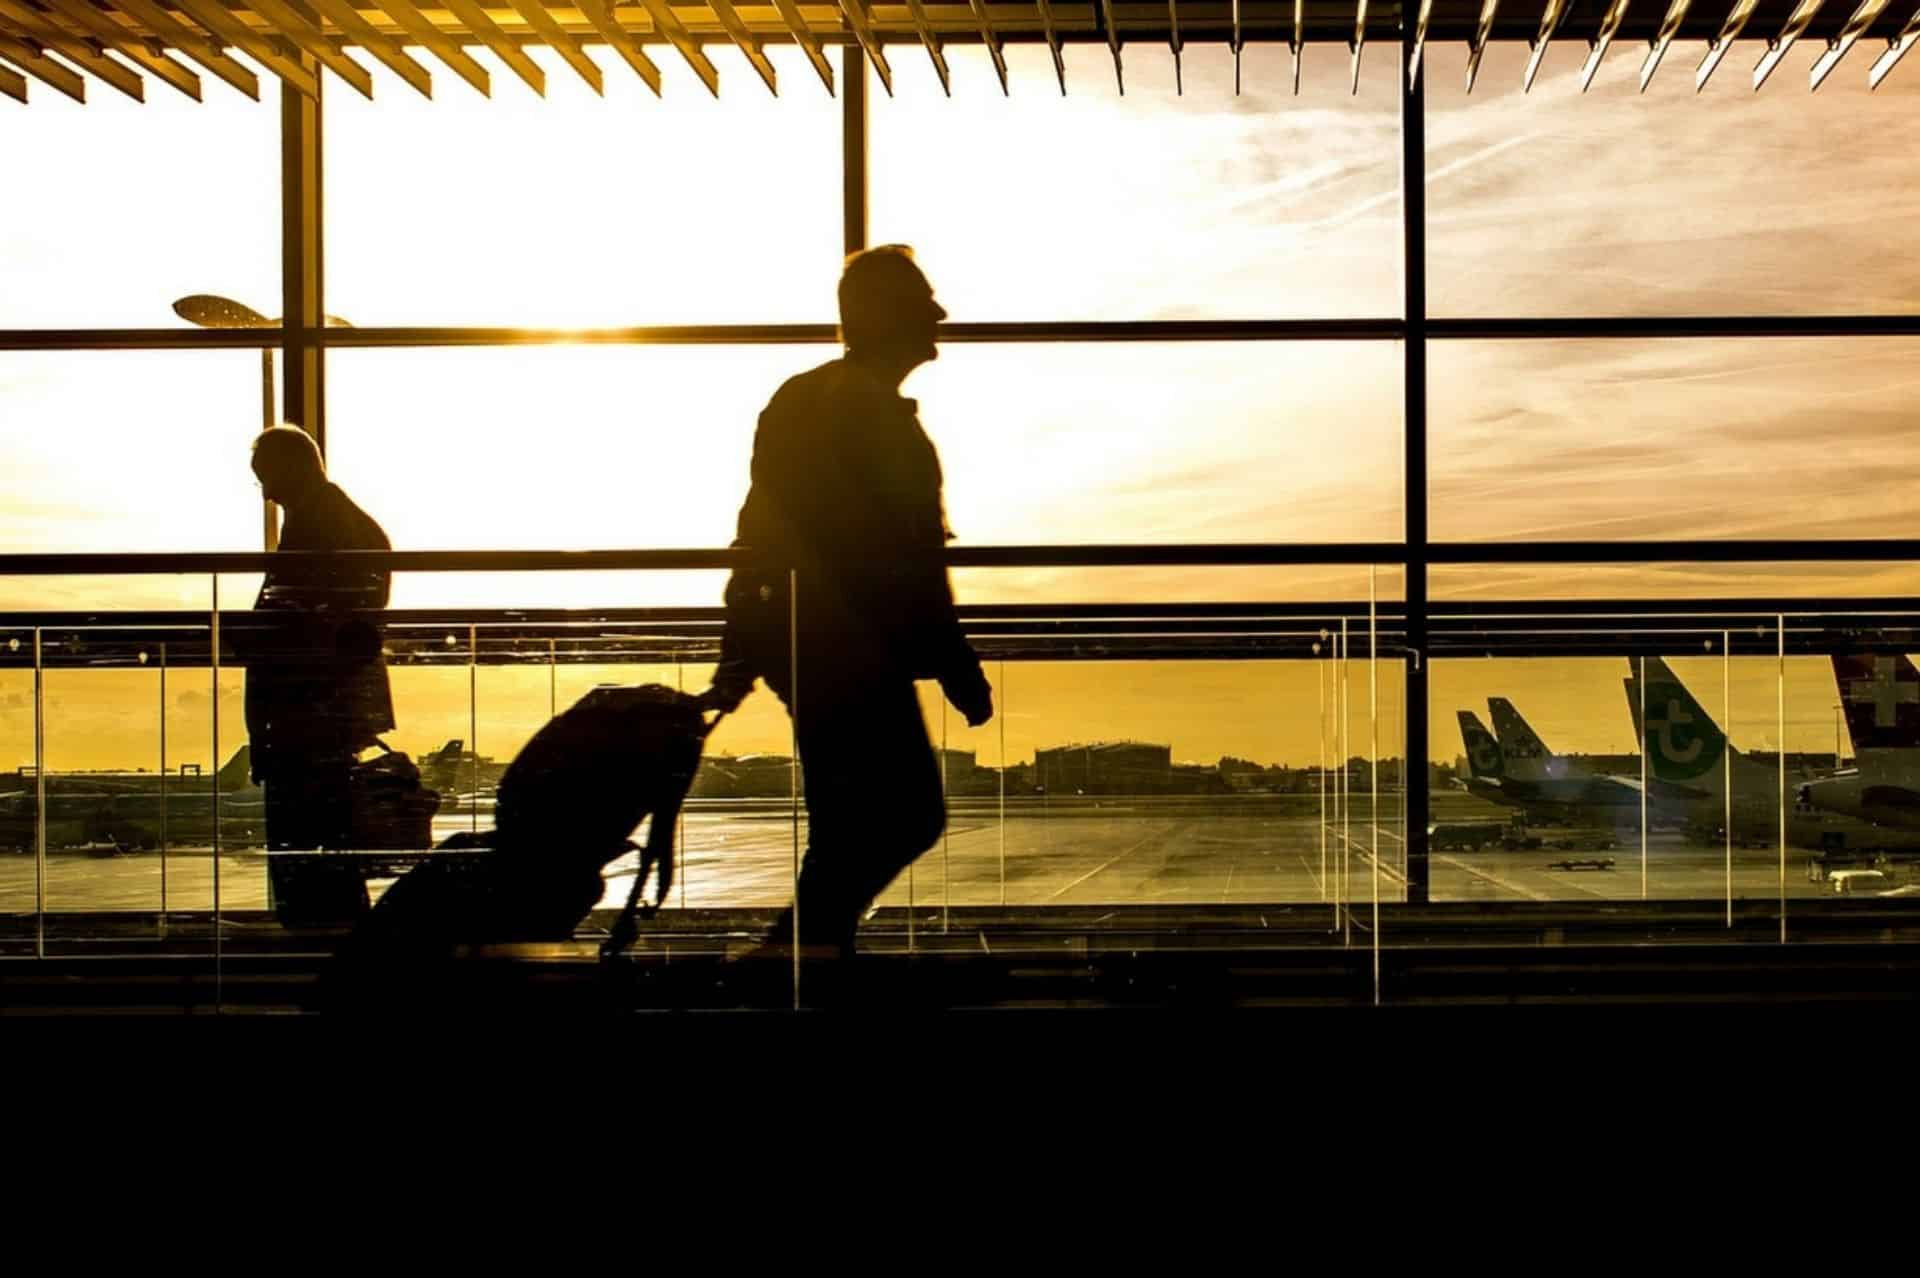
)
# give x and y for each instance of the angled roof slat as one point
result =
(1478, 44)
(803, 36)
(1550, 20)
(111, 35)
(855, 12)
(1053, 41)
(1669, 28)
(311, 40)
(557, 38)
(483, 28)
(441, 45)
(41, 28)
(1237, 40)
(991, 38)
(1113, 46)
(1419, 42)
(1359, 41)
(191, 44)
(1896, 49)
(675, 31)
(1717, 47)
(748, 43)
(1797, 23)
(13, 84)
(54, 75)
(600, 16)
(1174, 43)
(388, 50)
(1609, 28)
(1863, 17)
(227, 29)
(924, 29)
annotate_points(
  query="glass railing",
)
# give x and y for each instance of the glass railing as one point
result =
(1158, 773)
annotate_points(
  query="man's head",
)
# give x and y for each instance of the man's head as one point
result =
(287, 463)
(887, 311)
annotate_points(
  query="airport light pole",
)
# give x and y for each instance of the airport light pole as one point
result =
(209, 310)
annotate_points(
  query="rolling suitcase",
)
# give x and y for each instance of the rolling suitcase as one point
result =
(566, 807)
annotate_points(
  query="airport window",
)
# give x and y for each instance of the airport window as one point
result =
(131, 206)
(101, 445)
(1671, 201)
(1152, 205)
(1155, 296)
(1651, 439)
(580, 211)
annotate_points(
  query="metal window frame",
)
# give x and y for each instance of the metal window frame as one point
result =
(303, 341)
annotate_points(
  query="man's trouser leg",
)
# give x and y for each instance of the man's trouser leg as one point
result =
(873, 805)
(307, 810)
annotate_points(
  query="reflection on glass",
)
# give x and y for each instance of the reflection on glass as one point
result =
(575, 210)
(1207, 204)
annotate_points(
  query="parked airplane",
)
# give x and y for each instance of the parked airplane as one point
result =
(1881, 696)
(1555, 792)
(133, 809)
(1690, 762)
(1540, 775)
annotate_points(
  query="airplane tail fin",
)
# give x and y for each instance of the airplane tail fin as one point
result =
(1483, 751)
(1683, 742)
(237, 772)
(1520, 745)
(1881, 693)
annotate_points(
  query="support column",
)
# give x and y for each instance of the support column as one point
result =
(303, 393)
(1413, 208)
(853, 144)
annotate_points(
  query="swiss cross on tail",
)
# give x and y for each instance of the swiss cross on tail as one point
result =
(1882, 698)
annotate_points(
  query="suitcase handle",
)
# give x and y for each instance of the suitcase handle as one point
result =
(659, 851)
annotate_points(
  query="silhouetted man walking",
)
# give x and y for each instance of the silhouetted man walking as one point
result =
(847, 491)
(317, 691)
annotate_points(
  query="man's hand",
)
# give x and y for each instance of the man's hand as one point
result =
(971, 695)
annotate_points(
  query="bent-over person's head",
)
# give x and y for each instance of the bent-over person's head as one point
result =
(887, 311)
(287, 463)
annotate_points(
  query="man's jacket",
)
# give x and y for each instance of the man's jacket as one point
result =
(316, 680)
(846, 492)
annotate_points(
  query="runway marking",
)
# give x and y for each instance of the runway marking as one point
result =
(1098, 868)
(1494, 879)
(1366, 855)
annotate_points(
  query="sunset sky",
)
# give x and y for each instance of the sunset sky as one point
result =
(577, 211)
